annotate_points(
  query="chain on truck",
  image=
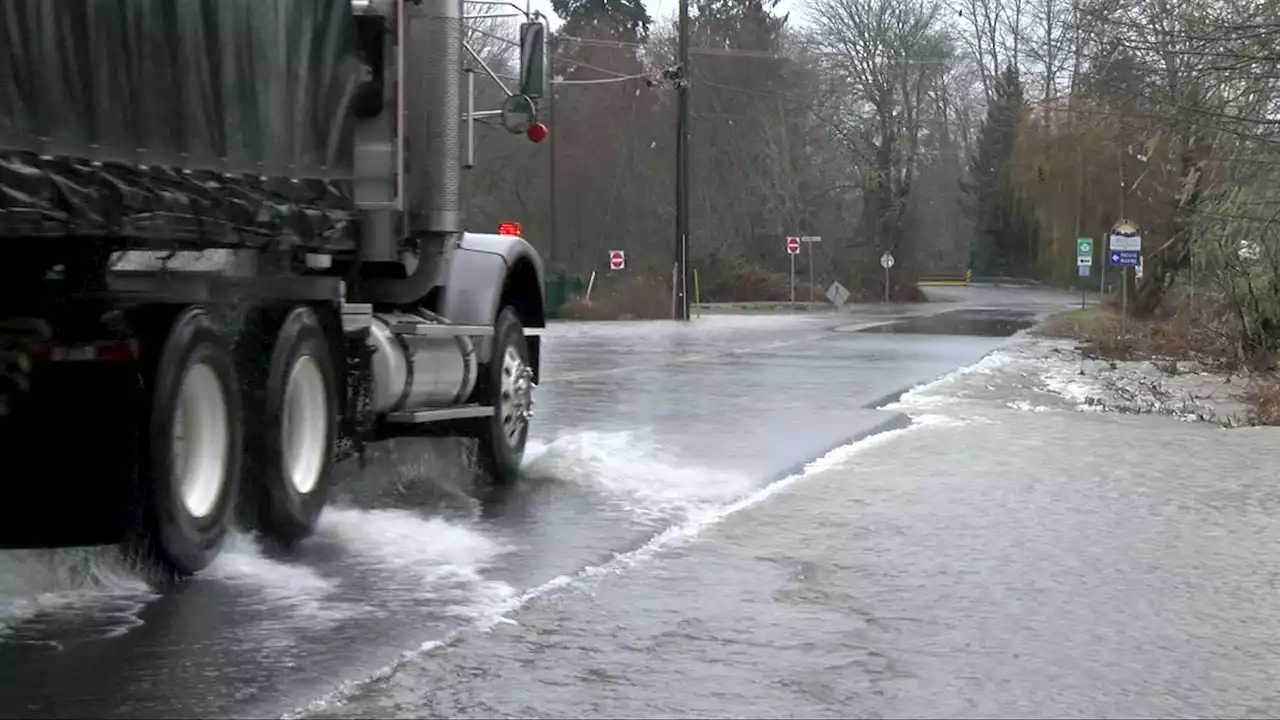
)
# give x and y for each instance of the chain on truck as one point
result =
(234, 254)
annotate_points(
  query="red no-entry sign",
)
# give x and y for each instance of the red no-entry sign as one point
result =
(793, 245)
(617, 260)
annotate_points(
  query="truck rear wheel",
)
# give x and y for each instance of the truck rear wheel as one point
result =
(506, 383)
(190, 467)
(293, 449)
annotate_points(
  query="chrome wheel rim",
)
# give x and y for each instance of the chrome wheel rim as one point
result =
(304, 424)
(515, 404)
(201, 439)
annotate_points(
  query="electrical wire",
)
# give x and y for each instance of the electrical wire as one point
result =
(627, 45)
(589, 66)
(601, 81)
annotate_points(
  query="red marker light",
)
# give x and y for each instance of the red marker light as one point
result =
(116, 352)
(509, 228)
(537, 132)
(108, 351)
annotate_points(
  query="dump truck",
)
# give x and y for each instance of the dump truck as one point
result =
(235, 255)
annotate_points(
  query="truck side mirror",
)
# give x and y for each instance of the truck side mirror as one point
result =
(533, 59)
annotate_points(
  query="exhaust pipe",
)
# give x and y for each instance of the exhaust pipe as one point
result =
(432, 119)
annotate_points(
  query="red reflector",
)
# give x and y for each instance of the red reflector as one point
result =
(509, 228)
(115, 352)
(98, 352)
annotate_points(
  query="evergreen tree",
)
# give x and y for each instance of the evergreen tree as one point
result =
(741, 24)
(625, 19)
(999, 243)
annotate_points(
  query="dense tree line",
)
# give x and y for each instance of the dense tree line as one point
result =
(983, 134)
(790, 135)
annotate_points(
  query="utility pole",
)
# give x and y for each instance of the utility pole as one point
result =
(551, 111)
(1079, 212)
(682, 170)
(1124, 269)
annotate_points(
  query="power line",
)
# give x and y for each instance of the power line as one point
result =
(598, 81)
(726, 52)
(627, 45)
(589, 66)
(601, 81)
(616, 76)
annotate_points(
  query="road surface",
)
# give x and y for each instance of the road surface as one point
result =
(669, 554)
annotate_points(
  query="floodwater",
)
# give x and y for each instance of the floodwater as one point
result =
(982, 547)
(1009, 554)
(982, 322)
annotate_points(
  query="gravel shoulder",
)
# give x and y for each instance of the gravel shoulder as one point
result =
(1164, 369)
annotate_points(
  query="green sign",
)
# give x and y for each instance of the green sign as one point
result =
(1084, 251)
(533, 59)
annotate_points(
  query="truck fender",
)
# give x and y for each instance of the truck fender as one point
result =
(488, 272)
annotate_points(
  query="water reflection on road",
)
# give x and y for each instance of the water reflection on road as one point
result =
(643, 428)
(1010, 554)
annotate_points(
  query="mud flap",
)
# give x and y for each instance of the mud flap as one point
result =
(69, 451)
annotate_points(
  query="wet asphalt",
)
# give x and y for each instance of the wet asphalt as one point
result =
(641, 428)
(1013, 553)
(1009, 555)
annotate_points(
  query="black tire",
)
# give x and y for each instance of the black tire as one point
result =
(499, 456)
(171, 535)
(286, 512)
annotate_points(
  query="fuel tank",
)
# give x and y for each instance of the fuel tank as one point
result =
(417, 364)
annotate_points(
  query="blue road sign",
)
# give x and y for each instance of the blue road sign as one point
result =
(1126, 258)
(1084, 270)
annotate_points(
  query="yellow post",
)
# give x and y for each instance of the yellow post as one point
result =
(590, 283)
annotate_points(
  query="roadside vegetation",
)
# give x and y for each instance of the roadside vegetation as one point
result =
(1184, 343)
(982, 135)
(631, 297)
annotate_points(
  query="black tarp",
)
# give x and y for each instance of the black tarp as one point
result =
(178, 122)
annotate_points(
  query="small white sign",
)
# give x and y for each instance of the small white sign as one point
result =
(1124, 237)
(886, 261)
(1126, 243)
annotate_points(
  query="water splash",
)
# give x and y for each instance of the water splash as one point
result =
(628, 468)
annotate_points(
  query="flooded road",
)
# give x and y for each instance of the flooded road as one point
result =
(1007, 555)
(665, 472)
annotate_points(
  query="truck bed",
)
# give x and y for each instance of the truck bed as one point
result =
(163, 124)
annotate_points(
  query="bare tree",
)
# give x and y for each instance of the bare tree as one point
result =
(491, 32)
(885, 55)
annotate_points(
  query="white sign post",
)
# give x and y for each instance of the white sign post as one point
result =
(1125, 251)
(617, 259)
(886, 262)
(838, 295)
(793, 249)
(1084, 259)
(809, 240)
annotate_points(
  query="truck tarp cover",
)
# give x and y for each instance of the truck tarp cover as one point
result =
(158, 123)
